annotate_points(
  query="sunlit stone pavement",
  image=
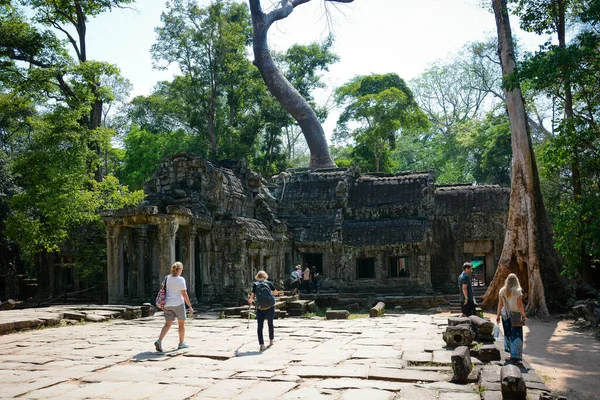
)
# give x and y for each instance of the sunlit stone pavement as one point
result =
(391, 357)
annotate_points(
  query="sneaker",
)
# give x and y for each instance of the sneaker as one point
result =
(158, 345)
(183, 345)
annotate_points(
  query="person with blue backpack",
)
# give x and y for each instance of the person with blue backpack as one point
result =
(263, 294)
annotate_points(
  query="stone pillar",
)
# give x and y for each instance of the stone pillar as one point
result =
(141, 256)
(123, 239)
(191, 263)
(155, 262)
(167, 231)
(114, 258)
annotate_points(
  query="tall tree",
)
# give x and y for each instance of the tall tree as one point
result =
(43, 56)
(528, 247)
(291, 100)
(382, 106)
(568, 72)
(208, 45)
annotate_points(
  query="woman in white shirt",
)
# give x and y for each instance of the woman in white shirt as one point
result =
(174, 307)
(510, 300)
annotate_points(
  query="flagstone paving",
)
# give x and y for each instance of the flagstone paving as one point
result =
(391, 357)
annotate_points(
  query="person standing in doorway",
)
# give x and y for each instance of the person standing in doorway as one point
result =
(265, 293)
(296, 278)
(306, 278)
(314, 275)
(465, 286)
(175, 302)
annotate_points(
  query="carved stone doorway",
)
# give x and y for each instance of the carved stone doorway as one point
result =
(313, 259)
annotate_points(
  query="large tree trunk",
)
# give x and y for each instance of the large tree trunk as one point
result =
(528, 246)
(280, 87)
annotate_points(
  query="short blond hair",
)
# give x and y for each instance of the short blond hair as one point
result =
(261, 275)
(175, 267)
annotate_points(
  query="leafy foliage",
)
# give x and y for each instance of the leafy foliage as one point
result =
(382, 106)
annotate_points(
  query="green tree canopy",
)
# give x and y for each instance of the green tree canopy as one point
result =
(377, 108)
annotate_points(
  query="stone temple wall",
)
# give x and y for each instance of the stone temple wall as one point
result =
(371, 233)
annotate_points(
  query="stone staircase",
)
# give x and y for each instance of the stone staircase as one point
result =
(454, 300)
(366, 300)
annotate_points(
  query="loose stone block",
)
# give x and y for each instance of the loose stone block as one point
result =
(460, 335)
(148, 310)
(461, 364)
(481, 326)
(76, 316)
(485, 338)
(378, 310)
(94, 318)
(132, 313)
(294, 312)
(8, 304)
(454, 321)
(512, 383)
(337, 314)
(489, 352)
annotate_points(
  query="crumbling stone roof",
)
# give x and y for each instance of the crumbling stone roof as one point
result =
(403, 189)
(381, 233)
(461, 199)
(249, 228)
(311, 229)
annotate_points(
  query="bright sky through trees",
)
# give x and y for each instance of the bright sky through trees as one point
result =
(371, 36)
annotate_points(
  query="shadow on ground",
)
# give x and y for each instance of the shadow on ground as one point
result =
(564, 355)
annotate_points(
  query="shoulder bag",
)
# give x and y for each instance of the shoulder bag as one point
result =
(516, 319)
(161, 297)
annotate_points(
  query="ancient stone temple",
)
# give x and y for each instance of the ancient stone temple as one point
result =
(398, 234)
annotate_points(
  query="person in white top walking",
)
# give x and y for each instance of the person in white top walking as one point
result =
(512, 313)
(174, 307)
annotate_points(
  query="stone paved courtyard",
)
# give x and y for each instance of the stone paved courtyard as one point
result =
(391, 357)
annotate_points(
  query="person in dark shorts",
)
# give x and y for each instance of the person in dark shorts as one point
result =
(465, 287)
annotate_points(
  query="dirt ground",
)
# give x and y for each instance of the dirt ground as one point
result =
(566, 356)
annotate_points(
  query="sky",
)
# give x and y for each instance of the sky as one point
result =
(371, 36)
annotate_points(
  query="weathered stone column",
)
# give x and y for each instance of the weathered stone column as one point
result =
(114, 261)
(141, 255)
(122, 241)
(167, 231)
(191, 263)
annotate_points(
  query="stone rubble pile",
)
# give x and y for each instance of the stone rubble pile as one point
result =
(476, 358)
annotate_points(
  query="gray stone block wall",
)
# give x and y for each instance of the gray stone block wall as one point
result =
(244, 223)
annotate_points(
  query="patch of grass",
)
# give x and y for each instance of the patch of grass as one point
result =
(425, 364)
(358, 315)
(545, 378)
(480, 389)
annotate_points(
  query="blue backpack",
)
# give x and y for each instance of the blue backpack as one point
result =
(264, 298)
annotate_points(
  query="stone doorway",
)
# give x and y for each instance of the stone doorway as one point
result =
(313, 259)
(480, 253)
